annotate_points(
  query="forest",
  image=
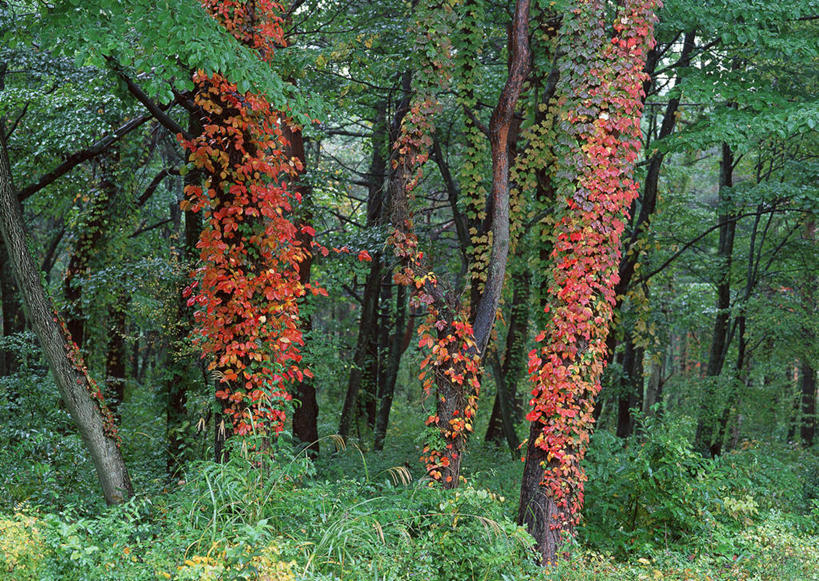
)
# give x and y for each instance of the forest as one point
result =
(409, 289)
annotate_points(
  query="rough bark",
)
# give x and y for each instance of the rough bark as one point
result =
(500, 125)
(538, 512)
(72, 383)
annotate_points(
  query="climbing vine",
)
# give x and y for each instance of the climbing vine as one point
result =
(247, 287)
(450, 368)
(599, 104)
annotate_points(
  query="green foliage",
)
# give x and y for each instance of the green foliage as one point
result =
(653, 491)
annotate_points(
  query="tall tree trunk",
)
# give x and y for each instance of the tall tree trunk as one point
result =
(12, 311)
(181, 358)
(95, 422)
(807, 369)
(305, 416)
(632, 254)
(115, 359)
(88, 235)
(370, 327)
(452, 397)
(704, 438)
(513, 364)
(386, 385)
(367, 324)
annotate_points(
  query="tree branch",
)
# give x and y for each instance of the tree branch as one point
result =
(77, 158)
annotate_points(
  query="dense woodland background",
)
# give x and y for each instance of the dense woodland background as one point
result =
(379, 122)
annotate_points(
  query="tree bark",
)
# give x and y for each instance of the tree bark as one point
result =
(305, 416)
(386, 388)
(704, 437)
(512, 366)
(367, 324)
(13, 318)
(73, 384)
(452, 397)
(115, 358)
(90, 232)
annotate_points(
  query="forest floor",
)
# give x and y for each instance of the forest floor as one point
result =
(654, 509)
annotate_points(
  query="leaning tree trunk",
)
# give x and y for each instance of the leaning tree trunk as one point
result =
(82, 397)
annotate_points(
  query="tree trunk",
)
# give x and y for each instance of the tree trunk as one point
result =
(513, 364)
(537, 510)
(181, 358)
(115, 359)
(807, 385)
(305, 416)
(89, 233)
(13, 318)
(365, 357)
(631, 395)
(704, 438)
(367, 325)
(95, 423)
(386, 387)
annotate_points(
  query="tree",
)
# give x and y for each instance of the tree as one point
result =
(599, 99)
(81, 395)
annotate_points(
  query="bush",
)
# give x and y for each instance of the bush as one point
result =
(22, 549)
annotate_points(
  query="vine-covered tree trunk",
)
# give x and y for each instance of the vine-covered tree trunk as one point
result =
(82, 398)
(88, 235)
(115, 358)
(599, 95)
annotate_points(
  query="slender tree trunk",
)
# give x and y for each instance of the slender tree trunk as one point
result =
(13, 318)
(370, 327)
(181, 357)
(95, 423)
(632, 388)
(808, 367)
(367, 324)
(89, 233)
(386, 388)
(513, 364)
(305, 416)
(719, 339)
(115, 359)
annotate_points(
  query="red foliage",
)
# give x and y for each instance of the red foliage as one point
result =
(248, 283)
(603, 111)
